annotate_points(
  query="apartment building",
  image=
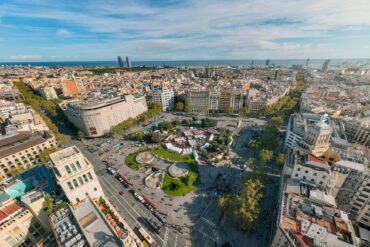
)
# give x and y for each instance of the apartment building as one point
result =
(311, 170)
(198, 100)
(47, 93)
(214, 100)
(75, 174)
(163, 96)
(22, 150)
(358, 131)
(19, 227)
(312, 221)
(231, 100)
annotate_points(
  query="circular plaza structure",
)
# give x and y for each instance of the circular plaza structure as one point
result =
(144, 158)
(178, 170)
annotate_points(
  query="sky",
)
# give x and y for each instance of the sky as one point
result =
(86, 30)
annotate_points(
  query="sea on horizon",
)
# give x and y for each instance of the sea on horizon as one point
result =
(189, 63)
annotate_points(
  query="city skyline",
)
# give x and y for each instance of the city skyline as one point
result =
(40, 30)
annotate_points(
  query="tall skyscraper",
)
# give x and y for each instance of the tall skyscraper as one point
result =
(128, 61)
(307, 62)
(325, 65)
(252, 63)
(120, 62)
(267, 62)
(276, 74)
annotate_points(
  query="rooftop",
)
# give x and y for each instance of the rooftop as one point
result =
(94, 226)
(14, 143)
(65, 154)
(66, 229)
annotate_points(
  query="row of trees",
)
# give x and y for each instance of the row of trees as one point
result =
(180, 106)
(154, 110)
(287, 104)
(46, 108)
(244, 207)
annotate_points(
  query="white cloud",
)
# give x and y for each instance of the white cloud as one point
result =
(211, 27)
(25, 57)
(63, 33)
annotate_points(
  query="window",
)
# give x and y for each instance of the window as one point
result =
(68, 169)
(75, 183)
(78, 165)
(312, 180)
(323, 176)
(315, 174)
(78, 199)
(73, 167)
(85, 177)
(89, 175)
(70, 186)
(296, 174)
(304, 177)
(320, 183)
(95, 189)
(80, 180)
(306, 171)
(298, 169)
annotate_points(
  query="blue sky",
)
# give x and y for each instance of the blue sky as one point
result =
(61, 30)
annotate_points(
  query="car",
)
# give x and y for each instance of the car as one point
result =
(121, 193)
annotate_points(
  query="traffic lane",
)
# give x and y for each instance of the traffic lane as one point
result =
(130, 211)
(143, 211)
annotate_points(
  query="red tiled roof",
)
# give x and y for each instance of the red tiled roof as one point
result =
(315, 159)
(8, 210)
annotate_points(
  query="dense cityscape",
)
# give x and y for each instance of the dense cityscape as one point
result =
(185, 156)
(185, 123)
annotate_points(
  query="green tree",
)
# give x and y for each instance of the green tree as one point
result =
(180, 106)
(265, 155)
(156, 137)
(280, 159)
(49, 200)
(80, 135)
(276, 121)
(245, 207)
(188, 108)
(229, 110)
(245, 109)
(44, 155)
(204, 109)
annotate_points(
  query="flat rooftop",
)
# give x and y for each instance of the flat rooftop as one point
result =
(94, 226)
(67, 231)
(65, 154)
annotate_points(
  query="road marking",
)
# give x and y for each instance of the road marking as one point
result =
(175, 240)
(205, 234)
(208, 222)
(165, 237)
(106, 186)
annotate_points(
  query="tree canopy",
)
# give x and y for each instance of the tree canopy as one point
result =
(245, 207)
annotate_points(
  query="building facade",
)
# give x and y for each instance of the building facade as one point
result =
(19, 227)
(22, 150)
(358, 132)
(165, 97)
(96, 117)
(198, 100)
(75, 175)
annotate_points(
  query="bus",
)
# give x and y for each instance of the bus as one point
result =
(147, 237)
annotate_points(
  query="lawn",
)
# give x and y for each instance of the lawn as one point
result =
(180, 186)
(171, 186)
(170, 156)
(131, 162)
(159, 152)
